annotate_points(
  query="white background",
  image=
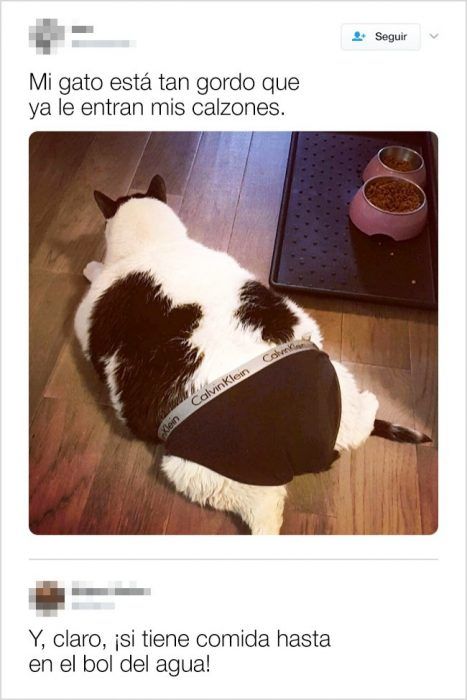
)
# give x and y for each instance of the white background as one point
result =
(397, 626)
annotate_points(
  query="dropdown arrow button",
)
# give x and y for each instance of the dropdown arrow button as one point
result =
(434, 36)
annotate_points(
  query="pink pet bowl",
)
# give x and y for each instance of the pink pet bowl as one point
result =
(373, 220)
(399, 162)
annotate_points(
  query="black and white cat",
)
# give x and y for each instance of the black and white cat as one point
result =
(165, 315)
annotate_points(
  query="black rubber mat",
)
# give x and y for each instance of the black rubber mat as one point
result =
(317, 248)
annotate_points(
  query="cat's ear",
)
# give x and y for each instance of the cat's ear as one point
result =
(107, 206)
(157, 189)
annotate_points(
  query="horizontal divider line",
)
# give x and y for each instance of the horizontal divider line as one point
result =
(234, 559)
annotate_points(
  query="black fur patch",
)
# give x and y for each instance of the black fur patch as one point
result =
(134, 318)
(261, 308)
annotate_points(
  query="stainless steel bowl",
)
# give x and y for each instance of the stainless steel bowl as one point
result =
(416, 174)
(407, 155)
(389, 179)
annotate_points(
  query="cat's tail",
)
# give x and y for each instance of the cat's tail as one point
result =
(397, 433)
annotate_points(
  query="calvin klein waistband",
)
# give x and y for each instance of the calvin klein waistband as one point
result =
(227, 381)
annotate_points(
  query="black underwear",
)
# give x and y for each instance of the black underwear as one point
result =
(280, 422)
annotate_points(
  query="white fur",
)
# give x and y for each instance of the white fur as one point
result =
(111, 366)
(146, 235)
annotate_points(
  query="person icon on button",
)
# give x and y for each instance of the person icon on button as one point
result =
(357, 36)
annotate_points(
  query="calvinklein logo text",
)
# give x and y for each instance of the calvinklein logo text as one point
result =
(218, 386)
(168, 427)
(225, 383)
(276, 354)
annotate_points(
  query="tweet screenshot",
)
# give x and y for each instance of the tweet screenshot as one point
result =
(233, 429)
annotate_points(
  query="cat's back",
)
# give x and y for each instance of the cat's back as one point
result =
(139, 320)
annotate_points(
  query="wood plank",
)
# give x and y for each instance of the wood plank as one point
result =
(328, 314)
(54, 158)
(126, 497)
(258, 207)
(315, 493)
(170, 154)
(74, 235)
(187, 518)
(427, 465)
(73, 377)
(35, 142)
(297, 523)
(213, 189)
(378, 483)
(153, 498)
(66, 444)
(375, 335)
(423, 333)
(53, 299)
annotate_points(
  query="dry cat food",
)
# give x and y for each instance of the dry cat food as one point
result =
(396, 164)
(393, 195)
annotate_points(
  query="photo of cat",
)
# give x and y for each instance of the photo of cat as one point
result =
(178, 370)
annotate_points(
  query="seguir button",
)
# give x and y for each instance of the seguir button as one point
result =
(380, 37)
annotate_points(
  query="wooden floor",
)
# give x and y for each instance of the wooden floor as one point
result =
(87, 476)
